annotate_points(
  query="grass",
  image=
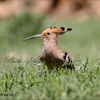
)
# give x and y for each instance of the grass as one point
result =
(22, 78)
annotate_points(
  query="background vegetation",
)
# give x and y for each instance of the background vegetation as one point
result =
(22, 78)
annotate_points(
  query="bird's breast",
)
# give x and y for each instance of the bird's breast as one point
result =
(51, 61)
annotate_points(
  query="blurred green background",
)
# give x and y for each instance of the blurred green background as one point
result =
(23, 19)
(20, 19)
(83, 39)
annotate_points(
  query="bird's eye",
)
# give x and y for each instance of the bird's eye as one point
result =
(48, 33)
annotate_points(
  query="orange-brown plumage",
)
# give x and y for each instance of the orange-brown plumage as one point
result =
(53, 56)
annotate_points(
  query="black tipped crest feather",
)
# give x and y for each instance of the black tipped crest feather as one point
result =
(62, 28)
(52, 27)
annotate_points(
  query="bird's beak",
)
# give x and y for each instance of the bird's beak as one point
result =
(34, 36)
(69, 29)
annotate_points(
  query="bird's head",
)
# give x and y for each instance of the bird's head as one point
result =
(51, 33)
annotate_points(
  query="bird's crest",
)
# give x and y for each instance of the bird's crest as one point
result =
(56, 30)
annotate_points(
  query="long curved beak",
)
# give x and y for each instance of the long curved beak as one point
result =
(31, 37)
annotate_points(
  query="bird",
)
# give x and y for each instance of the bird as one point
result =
(52, 55)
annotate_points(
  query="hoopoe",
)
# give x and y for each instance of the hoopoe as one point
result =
(52, 56)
